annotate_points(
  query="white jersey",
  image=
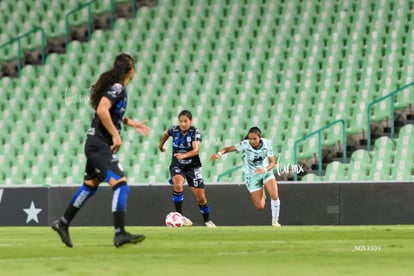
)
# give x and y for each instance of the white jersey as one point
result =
(254, 158)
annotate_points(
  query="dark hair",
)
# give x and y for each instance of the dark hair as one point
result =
(185, 113)
(122, 64)
(255, 130)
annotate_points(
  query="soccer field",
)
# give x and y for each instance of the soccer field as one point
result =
(252, 250)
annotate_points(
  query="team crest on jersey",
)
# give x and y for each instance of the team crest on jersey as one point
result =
(189, 139)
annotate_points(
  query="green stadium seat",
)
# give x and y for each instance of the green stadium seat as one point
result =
(311, 177)
(289, 75)
(336, 171)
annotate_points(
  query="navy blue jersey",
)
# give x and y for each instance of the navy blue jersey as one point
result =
(118, 96)
(184, 143)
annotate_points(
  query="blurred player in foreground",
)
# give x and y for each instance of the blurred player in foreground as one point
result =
(109, 99)
(258, 163)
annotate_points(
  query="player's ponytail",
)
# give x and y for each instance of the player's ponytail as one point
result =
(255, 130)
(122, 65)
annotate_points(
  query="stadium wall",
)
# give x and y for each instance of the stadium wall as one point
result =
(301, 204)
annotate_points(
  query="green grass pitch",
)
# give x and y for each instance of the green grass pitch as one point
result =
(249, 250)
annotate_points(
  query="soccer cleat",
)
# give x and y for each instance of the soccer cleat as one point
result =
(209, 223)
(187, 221)
(125, 237)
(63, 232)
(275, 223)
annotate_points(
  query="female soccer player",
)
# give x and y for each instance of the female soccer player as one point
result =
(186, 165)
(258, 162)
(109, 99)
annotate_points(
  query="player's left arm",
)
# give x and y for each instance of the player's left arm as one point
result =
(140, 126)
(191, 153)
(271, 157)
(268, 167)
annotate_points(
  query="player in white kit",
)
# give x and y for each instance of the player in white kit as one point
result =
(258, 163)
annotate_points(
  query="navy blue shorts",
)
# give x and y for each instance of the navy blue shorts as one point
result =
(192, 175)
(101, 163)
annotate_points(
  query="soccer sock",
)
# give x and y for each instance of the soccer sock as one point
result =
(275, 205)
(178, 198)
(77, 201)
(205, 211)
(119, 206)
(119, 222)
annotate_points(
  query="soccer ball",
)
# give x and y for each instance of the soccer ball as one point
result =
(174, 219)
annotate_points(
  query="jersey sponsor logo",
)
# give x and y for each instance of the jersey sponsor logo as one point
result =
(185, 161)
(257, 159)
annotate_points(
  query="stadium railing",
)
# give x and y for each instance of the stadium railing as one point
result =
(74, 11)
(319, 133)
(88, 5)
(228, 172)
(390, 96)
(19, 45)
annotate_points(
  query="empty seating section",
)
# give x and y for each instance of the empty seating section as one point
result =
(289, 67)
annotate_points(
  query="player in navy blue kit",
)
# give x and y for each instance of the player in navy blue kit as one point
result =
(186, 165)
(109, 98)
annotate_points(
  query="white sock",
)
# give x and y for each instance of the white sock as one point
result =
(275, 206)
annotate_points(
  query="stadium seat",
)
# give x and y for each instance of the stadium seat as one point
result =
(288, 67)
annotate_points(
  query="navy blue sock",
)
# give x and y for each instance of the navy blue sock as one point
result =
(178, 198)
(79, 198)
(119, 206)
(205, 211)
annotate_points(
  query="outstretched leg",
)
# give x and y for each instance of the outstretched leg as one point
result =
(201, 199)
(84, 192)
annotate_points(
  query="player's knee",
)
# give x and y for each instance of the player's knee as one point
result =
(178, 184)
(92, 182)
(178, 187)
(117, 182)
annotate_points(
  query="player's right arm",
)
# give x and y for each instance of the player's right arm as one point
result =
(225, 150)
(104, 115)
(164, 138)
